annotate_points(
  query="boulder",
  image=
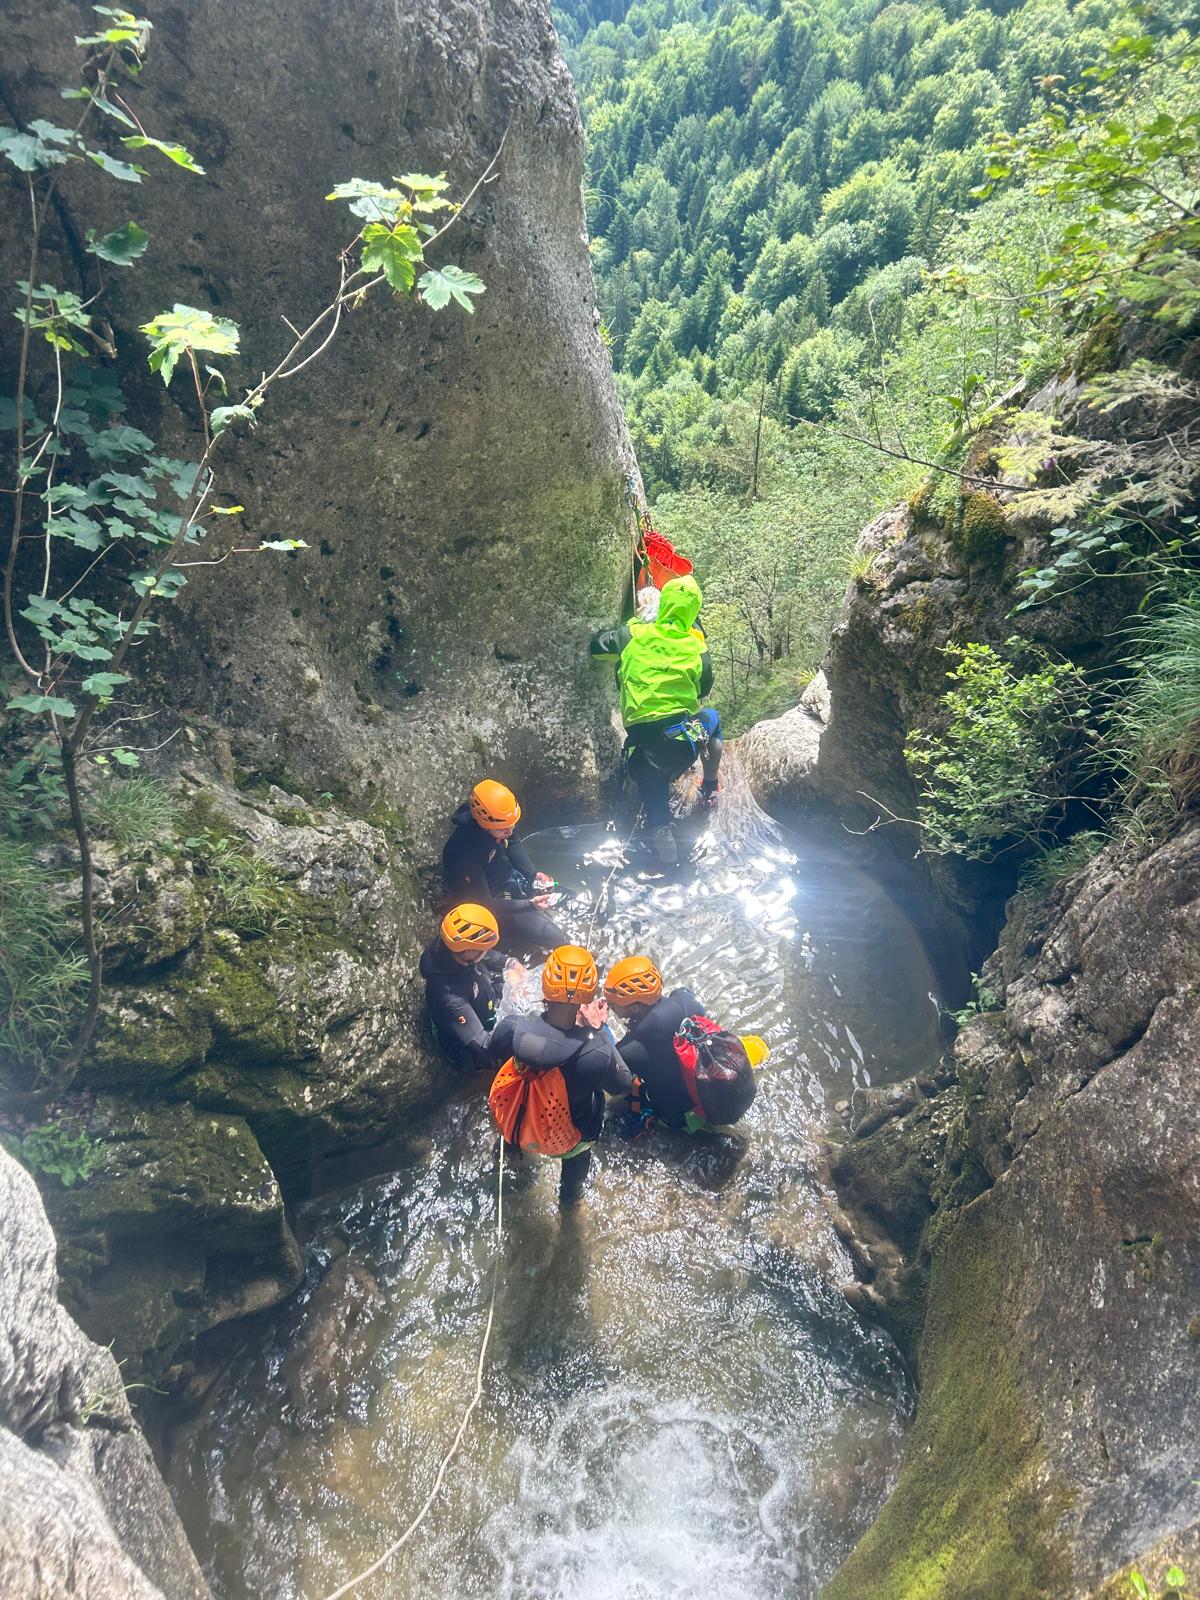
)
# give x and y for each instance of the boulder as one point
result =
(84, 1514)
(179, 1230)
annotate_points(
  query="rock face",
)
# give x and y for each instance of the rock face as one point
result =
(462, 484)
(83, 1511)
(1059, 1356)
(459, 479)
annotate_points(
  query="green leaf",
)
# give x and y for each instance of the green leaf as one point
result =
(1176, 1578)
(41, 145)
(283, 544)
(441, 284)
(224, 415)
(167, 584)
(184, 328)
(369, 200)
(102, 684)
(126, 758)
(100, 103)
(226, 511)
(394, 252)
(1139, 1586)
(179, 154)
(123, 247)
(115, 168)
(42, 704)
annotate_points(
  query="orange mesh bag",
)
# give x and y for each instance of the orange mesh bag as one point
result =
(531, 1109)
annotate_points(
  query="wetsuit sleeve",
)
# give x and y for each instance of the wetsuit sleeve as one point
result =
(635, 1056)
(598, 1066)
(609, 642)
(454, 1018)
(518, 857)
(500, 1045)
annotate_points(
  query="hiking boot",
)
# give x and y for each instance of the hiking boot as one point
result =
(665, 847)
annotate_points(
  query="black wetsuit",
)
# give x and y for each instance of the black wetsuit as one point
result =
(648, 1050)
(497, 873)
(462, 1003)
(592, 1068)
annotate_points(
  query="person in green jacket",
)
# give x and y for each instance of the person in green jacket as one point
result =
(664, 670)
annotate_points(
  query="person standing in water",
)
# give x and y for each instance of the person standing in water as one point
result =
(484, 864)
(664, 670)
(554, 1070)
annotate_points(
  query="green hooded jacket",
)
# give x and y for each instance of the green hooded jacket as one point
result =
(662, 664)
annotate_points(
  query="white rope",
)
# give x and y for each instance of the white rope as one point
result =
(398, 1544)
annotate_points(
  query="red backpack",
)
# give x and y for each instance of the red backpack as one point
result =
(716, 1069)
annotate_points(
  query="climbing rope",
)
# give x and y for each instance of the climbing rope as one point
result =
(398, 1544)
(477, 1395)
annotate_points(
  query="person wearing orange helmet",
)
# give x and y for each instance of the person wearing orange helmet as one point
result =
(634, 991)
(484, 862)
(464, 979)
(569, 1035)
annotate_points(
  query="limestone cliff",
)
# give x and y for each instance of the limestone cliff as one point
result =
(83, 1511)
(1058, 1359)
(461, 482)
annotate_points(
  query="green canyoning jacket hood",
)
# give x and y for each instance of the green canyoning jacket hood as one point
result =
(662, 664)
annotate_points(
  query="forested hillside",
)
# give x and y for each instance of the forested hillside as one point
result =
(801, 246)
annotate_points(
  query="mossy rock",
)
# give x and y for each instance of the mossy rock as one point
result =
(981, 527)
(974, 1511)
(1100, 350)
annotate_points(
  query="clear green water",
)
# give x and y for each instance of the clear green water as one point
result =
(679, 1404)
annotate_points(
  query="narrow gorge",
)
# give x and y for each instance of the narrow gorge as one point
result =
(926, 1324)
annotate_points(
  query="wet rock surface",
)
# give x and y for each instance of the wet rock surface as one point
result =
(1074, 1276)
(83, 1511)
(461, 484)
(460, 480)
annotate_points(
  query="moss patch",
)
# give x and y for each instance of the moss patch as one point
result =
(1100, 350)
(972, 1516)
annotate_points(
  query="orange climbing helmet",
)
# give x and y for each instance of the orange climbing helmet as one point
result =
(495, 808)
(570, 975)
(634, 979)
(470, 927)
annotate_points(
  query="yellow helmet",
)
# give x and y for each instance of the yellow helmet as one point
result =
(570, 975)
(636, 978)
(494, 807)
(470, 927)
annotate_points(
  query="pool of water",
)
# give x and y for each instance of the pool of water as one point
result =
(678, 1401)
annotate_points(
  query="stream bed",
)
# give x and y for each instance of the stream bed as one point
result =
(678, 1401)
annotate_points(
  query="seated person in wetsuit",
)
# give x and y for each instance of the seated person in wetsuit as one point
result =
(634, 991)
(663, 670)
(483, 863)
(464, 979)
(568, 1035)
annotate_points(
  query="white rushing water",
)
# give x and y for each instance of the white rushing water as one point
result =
(679, 1404)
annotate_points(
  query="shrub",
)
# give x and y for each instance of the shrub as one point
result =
(1156, 728)
(41, 982)
(249, 891)
(62, 1149)
(1062, 860)
(992, 777)
(132, 811)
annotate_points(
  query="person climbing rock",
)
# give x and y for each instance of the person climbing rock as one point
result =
(484, 863)
(464, 979)
(664, 670)
(687, 1072)
(548, 1095)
